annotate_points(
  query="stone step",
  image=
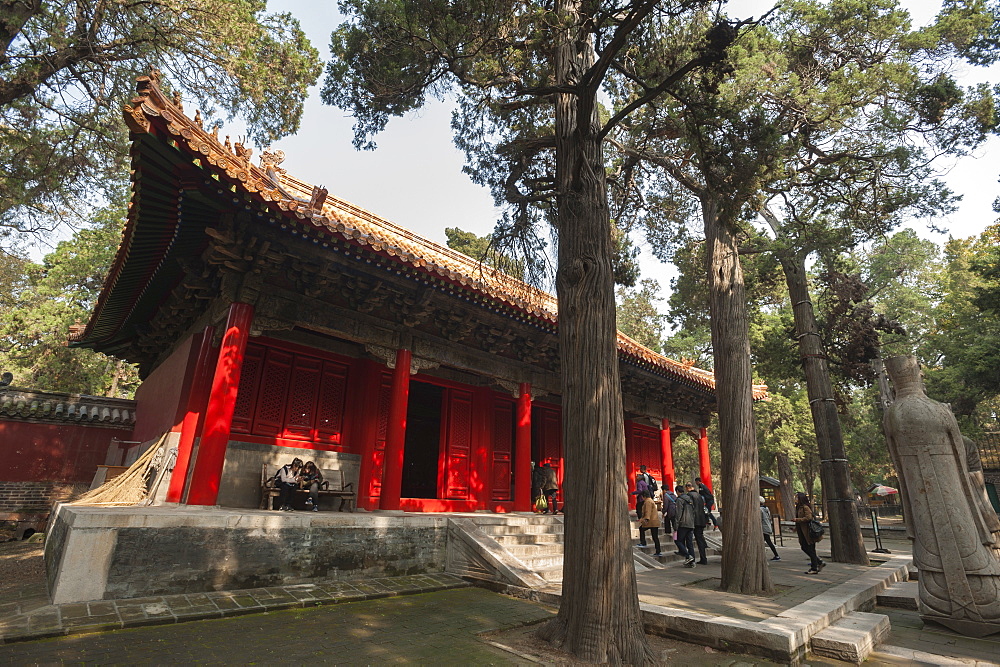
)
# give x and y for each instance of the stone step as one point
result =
(540, 562)
(552, 574)
(538, 538)
(522, 550)
(522, 529)
(518, 519)
(901, 595)
(852, 638)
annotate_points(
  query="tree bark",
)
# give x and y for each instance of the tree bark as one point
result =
(846, 543)
(599, 619)
(743, 570)
(786, 493)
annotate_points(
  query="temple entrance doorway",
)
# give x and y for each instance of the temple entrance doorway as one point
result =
(422, 448)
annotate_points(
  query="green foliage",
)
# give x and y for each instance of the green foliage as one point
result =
(961, 357)
(67, 67)
(483, 249)
(638, 317)
(46, 299)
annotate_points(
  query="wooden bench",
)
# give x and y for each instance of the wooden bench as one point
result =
(333, 486)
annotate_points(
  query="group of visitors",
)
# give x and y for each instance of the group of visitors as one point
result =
(688, 511)
(294, 476)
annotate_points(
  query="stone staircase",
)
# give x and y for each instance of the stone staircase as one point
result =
(535, 541)
(521, 549)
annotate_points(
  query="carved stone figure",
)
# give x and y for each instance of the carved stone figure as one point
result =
(959, 584)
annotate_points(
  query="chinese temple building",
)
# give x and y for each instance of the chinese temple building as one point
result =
(271, 320)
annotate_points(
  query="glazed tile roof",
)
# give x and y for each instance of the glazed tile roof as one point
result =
(272, 185)
(52, 406)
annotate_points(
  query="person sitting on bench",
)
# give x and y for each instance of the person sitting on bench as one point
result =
(311, 478)
(286, 480)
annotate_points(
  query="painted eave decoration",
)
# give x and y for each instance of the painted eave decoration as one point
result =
(310, 210)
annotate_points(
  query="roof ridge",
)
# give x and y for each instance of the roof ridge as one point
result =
(334, 214)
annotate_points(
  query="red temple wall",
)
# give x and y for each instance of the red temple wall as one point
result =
(160, 396)
(35, 452)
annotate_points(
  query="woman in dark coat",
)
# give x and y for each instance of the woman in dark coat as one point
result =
(803, 515)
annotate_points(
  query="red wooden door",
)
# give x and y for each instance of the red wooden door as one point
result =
(456, 446)
(503, 447)
(378, 451)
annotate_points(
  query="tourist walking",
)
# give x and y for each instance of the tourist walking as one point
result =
(803, 515)
(550, 486)
(685, 526)
(649, 520)
(700, 521)
(709, 500)
(641, 488)
(768, 527)
(650, 481)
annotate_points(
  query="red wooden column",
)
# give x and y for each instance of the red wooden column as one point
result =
(522, 450)
(667, 456)
(392, 466)
(204, 488)
(704, 462)
(197, 396)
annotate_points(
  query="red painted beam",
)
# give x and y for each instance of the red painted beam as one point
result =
(197, 396)
(392, 476)
(221, 404)
(522, 451)
(667, 456)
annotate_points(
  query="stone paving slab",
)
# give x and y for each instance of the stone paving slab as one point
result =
(42, 621)
(442, 628)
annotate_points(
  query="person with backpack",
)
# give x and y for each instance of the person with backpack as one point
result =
(650, 481)
(670, 516)
(641, 488)
(709, 501)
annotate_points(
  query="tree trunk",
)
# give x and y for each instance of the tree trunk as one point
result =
(846, 543)
(743, 570)
(599, 619)
(786, 492)
(808, 465)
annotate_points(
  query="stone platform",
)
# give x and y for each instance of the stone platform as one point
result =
(103, 559)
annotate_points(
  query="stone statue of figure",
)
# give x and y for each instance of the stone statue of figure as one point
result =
(959, 583)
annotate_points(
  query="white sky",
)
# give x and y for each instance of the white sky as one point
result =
(414, 177)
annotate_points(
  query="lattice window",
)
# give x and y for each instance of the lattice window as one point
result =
(302, 394)
(270, 416)
(332, 397)
(246, 398)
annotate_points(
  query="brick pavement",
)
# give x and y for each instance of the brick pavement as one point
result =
(30, 617)
(430, 628)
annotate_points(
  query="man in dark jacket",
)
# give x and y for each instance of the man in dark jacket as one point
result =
(700, 521)
(685, 512)
(709, 499)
